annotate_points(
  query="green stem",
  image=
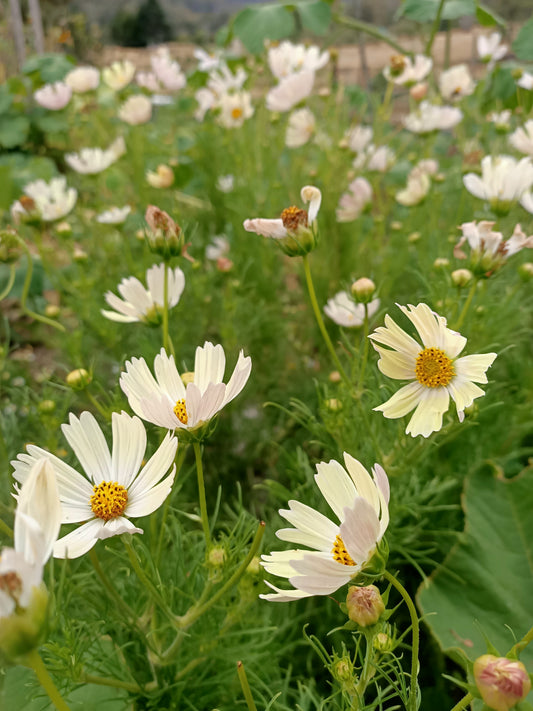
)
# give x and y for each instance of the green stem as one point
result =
(201, 493)
(25, 290)
(320, 320)
(34, 660)
(179, 463)
(466, 305)
(526, 639)
(10, 282)
(463, 703)
(369, 29)
(165, 308)
(117, 683)
(366, 343)
(245, 686)
(416, 636)
(434, 29)
(97, 405)
(109, 586)
(5, 528)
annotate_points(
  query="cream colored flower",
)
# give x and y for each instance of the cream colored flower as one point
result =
(340, 550)
(136, 110)
(431, 117)
(404, 71)
(489, 48)
(287, 58)
(418, 185)
(114, 216)
(501, 119)
(83, 79)
(118, 75)
(163, 177)
(379, 158)
(343, 310)
(503, 181)
(526, 81)
(290, 91)
(353, 202)
(167, 71)
(488, 248)
(300, 128)
(89, 161)
(434, 369)
(522, 138)
(456, 82)
(358, 138)
(51, 201)
(235, 109)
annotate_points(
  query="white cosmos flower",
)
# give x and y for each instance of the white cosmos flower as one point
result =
(235, 109)
(90, 161)
(167, 402)
(501, 119)
(136, 110)
(290, 91)
(431, 117)
(167, 71)
(526, 81)
(418, 185)
(118, 75)
(434, 369)
(300, 128)
(404, 71)
(522, 138)
(208, 61)
(114, 216)
(354, 201)
(503, 181)
(115, 487)
(219, 247)
(340, 550)
(145, 304)
(223, 81)
(379, 158)
(162, 177)
(83, 79)
(52, 200)
(53, 97)
(489, 47)
(358, 138)
(225, 183)
(343, 310)
(456, 82)
(489, 249)
(287, 58)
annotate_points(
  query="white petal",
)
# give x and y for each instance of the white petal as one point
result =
(239, 377)
(168, 377)
(394, 364)
(129, 445)
(117, 526)
(427, 417)
(364, 483)
(313, 528)
(266, 228)
(475, 185)
(336, 486)
(209, 365)
(393, 336)
(360, 530)
(463, 392)
(474, 367)
(403, 401)
(89, 445)
(283, 595)
(155, 469)
(151, 499)
(79, 541)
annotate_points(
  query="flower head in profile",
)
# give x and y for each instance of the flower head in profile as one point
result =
(136, 110)
(287, 58)
(300, 128)
(490, 48)
(167, 71)
(295, 230)
(404, 71)
(358, 138)
(503, 181)
(116, 487)
(118, 75)
(526, 81)
(501, 682)
(418, 185)
(431, 117)
(340, 550)
(53, 97)
(114, 216)
(344, 311)
(89, 161)
(488, 249)
(145, 304)
(162, 177)
(83, 79)
(47, 201)
(355, 200)
(435, 371)
(290, 91)
(168, 402)
(500, 119)
(522, 138)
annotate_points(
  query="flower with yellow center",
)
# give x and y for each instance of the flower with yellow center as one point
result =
(433, 367)
(341, 550)
(116, 486)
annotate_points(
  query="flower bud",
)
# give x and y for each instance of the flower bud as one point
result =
(419, 91)
(334, 376)
(363, 289)
(164, 235)
(52, 310)
(47, 406)
(163, 177)
(365, 605)
(462, 277)
(23, 630)
(63, 228)
(501, 682)
(216, 557)
(79, 254)
(254, 566)
(78, 379)
(187, 378)
(441, 263)
(10, 247)
(383, 642)
(526, 271)
(333, 404)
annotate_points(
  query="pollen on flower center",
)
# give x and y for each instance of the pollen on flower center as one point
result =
(292, 217)
(340, 554)
(181, 412)
(236, 113)
(433, 368)
(108, 500)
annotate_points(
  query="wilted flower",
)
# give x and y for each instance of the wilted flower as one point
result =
(167, 402)
(114, 216)
(431, 117)
(345, 312)
(365, 605)
(489, 48)
(49, 201)
(295, 231)
(89, 161)
(83, 79)
(341, 550)
(163, 177)
(164, 235)
(488, 249)
(235, 109)
(136, 110)
(115, 487)
(434, 368)
(287, 58)
(354, 201)
(53, 96)
(456, 82)
(300, 128)
(522, 138)
(118, 75)
(503, 181)
(145, 304)
(502, 682)
(290, 91)
(404, 71)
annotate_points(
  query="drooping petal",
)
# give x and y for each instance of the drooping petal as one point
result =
(265, 227)
(360, 530)
(117, 526)
(403, 401)
(427, 417)
(239, 377)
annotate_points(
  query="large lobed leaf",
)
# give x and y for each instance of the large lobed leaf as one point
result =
(485, 585)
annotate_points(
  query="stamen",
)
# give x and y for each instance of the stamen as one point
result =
(181, 412)
(433, 368)
(340, 554)
(236, 113)
(109, 500)
(292, 217)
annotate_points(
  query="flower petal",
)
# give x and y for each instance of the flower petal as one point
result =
(129, 445)
(427, 417)
(336, 486)
(90, 447)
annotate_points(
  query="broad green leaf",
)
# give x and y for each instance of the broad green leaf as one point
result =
(426, 10)
(487, 17)
(13, 130)
(254, 25)
(484, 586)
(49, 67)
(5, 99)
(52, 122)
(24, 169)
(523, 44)
(315, 15)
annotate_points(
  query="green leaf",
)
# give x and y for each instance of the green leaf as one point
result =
(254, 25)
(484, 586)
(52, 122)
(13, 130)
(24, 169)
(523, 44)
(5, 99)
(315, 15)
(487, 17)
(426, 10)
(49, 67)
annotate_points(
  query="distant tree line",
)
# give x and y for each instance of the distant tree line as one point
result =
(148, 25)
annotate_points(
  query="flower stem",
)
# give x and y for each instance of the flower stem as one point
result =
(10, 282)
(435, 28)
(165, 308)
(34, 660)
(466, 305)
(179, 463)
(365, 352)
(463, 703)
(109, 586)
(245, 686)
(25, 290)
(369, 29)
(96, 404)
(526, 639)
(416, 636)
(201, 493)
(320, 320)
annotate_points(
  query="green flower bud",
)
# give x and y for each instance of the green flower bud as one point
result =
(24, 629)
(462, 277)
(363, 289)
(79, 379)
(365, 605)
(164, 235)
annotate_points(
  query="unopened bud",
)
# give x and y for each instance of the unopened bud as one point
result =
(501, 682)
(363, 289)
(526, 271)
(333, 404)
(47, 406)
(52, 310)
(10, 246)
(216, 557)
(396, 225)
(462, 277)
(414, 237)
(441, 263)
(224, 264)
(342, 670)
(79, 254)
(187, 378)
(78, 379)
(383, 642)
(23, 630)
(419, 91)
(334, 376)
(164, 235)
(365, 605)
(63, 228)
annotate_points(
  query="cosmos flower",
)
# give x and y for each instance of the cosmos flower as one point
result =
(434, 369)
(340, 551)
(115, 487)
(50, 201)
(456, 82)
(290, 91)
(136, 110)
(300, 128)
(431, 117)
(404, 71)
(418, 185)
(287, 58)
(372, 157)
(89, 161)
(53, 97)
(354, 201)
(114, 216)
(503, 181)
(488, 248)
(167, 402)
(162, 177)
(235, 109)
(207, 61)
(83, 79)
(522, 138)
(225, 183)
(167, 71)
(343, 310)
(358, 138)
(145, 304)
(489, 47)
(118, 75)
(502, 682)
(526, 81)
(501, 119)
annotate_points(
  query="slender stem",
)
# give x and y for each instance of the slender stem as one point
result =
(109, 586)
(369, 29)
(416, 636)
(320, 320)
(10, 282)
(201, 493)
(109, 681)
(435, 28)
(5, 528)
(25, 290)
(97, 405)
(245, 686)
(365, 352)
(463, 703)
(34, 660)
(179, 463)
(466, 305)
(526, 639)
(165, 308)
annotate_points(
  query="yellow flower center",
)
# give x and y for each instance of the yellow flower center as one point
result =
(340, 554)
(292, 217)
(433, 368)
(181, 412)
(109, 500)
(236, 113)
